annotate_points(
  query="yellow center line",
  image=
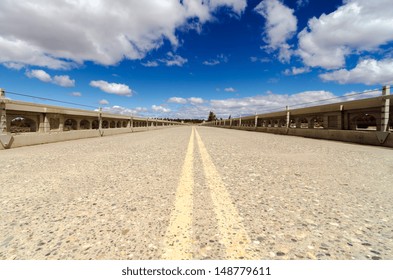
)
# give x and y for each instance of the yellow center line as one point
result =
(233, 234)
(177, 243)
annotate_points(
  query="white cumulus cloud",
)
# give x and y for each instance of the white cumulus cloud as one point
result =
(238, 6)
(221, 58)
(116, 109)
(65, 33)
(178, 100)
(367, 71)
(113, 88)
(150, 64)
(195, 100)
(281, 25)
(356, 26)
(161, 109)
(211, 62)
(104, 102)
(174, 60)
(40, 75)
(265, 103)
(230, 89)
(181, 100)
(296, 71)
(61, 80)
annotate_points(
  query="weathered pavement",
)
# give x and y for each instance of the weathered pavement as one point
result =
(196, 193)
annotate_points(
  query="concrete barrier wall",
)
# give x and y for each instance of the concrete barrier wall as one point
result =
(24, 124)
(353, 136)
(36, 138)
(367, 121)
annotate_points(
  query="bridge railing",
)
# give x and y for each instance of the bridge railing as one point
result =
(24, 123)
(344, 121)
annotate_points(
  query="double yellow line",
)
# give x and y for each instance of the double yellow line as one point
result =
(178, 240)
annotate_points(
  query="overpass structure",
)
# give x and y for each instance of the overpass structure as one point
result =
(366, 121)
(24, 123)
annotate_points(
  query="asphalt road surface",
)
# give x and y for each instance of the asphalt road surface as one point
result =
(196, 193)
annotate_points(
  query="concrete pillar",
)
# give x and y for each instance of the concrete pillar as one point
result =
(256, 122)
(100, 119)
(62, 120)
(41, 123)
(385, 109)
(345, 119)
(3, 114)
(340, 122)
(240, 121)
(132, 123)
(230, 122)
(46, 124)
(288, 117)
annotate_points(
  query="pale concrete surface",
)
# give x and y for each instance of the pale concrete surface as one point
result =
(115, 197)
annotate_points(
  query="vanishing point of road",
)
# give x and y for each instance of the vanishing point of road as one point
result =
(196, 193)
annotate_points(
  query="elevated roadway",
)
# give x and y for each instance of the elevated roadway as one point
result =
(196, 193)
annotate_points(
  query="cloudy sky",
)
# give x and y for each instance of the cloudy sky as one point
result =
(171, 58)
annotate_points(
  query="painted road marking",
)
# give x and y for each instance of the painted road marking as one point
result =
(233, 234)
(178, 237)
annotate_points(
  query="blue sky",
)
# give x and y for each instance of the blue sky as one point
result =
(181, 59)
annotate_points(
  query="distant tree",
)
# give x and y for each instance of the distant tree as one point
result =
(212, 117)
(229, 117)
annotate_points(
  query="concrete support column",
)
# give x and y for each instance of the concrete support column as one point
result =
(132, 123)
(256, 122)
(9, 120)
(345, 119)
(288, 117)
(100, 119)
(385, 109)
(3, 114)
(46, 124)
(78, 124)
(41, 123)
(230, 122)
(340, 122)
(240, 121)
(62, 120)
